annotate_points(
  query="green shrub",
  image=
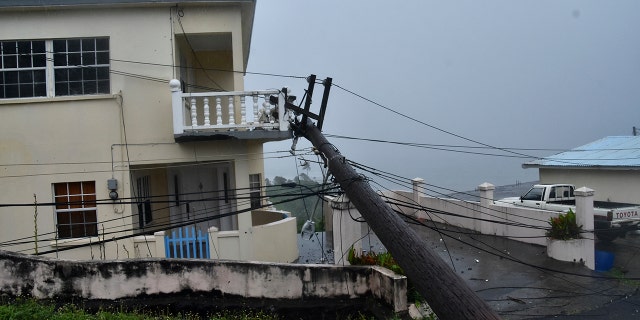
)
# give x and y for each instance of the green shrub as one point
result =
(564, 227)
(374, 259)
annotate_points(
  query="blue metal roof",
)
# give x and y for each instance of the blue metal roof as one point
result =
(620, 152)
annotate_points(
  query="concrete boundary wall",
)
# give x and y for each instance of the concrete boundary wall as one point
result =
(485, 218)
(65, 280)
(517, 223)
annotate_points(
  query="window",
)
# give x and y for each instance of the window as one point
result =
(73, 67)
(255, 191)
(76, 209)
(145, 215)
(23, 69)
(535, 194)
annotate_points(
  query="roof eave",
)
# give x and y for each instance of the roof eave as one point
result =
(68, 4)
(538, 166)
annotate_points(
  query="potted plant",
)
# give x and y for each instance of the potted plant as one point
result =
(564, 241)
(564, 227)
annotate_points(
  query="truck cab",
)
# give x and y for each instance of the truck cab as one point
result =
(542, 196)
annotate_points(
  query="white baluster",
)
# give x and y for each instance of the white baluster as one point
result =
(255, 109)
(265, 108)
(207, 122)
(218, 111)
(194, 113)
(243, 112)
(232, 118)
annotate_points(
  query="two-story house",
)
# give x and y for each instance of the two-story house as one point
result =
(120, 118)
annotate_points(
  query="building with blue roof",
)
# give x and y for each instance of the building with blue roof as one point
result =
(610, 166)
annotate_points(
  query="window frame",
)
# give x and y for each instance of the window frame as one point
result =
(73, 206)
(145, 212)
(255, 190)
(53, 69)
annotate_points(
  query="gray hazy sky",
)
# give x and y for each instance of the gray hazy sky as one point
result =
(510, 74)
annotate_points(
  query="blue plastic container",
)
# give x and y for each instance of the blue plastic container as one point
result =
(604, 260)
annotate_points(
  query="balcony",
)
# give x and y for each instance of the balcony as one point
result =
(272, 237)
(239, 115)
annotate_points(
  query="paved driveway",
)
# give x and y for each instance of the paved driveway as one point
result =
(519, 281)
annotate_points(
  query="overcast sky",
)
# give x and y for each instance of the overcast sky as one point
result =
(510, 74)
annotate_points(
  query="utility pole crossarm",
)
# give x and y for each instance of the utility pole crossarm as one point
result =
(444, 290)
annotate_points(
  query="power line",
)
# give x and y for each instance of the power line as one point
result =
(167, 165)
(454, 148)
(286, 152)
(440, 129)
(213, 69)
(179, 225)
(203, 212)
(402, 180)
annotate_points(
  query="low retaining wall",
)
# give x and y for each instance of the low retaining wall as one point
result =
(216, 282)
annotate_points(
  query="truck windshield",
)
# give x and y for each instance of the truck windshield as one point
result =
(534, 194)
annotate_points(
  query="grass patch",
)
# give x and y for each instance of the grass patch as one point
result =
(31, 309)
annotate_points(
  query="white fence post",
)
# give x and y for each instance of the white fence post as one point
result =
(486, 201)
(160, 248)
(346, 231)
(584, 217)
(214, 243)
(417, 189)
(417, 194)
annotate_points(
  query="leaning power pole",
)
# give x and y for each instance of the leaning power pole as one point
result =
(443, 289)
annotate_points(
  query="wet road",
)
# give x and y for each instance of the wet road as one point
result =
(519, 281)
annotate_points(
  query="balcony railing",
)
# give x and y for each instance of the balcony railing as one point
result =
(239, 114)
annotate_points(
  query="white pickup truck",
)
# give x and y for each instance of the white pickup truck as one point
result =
(611, 219)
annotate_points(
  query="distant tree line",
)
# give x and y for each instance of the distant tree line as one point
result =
(302, 209)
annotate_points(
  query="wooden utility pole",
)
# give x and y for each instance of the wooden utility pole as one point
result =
(446, 293)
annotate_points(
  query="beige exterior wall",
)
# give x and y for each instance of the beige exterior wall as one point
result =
(609, 185)
(82, 138)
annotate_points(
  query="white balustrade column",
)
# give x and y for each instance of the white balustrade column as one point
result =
(265, 107)
(243, 112)
(207, 121)
(194, 113)
(232, 118)
(584, 218)
(218, 111)
(255, 109)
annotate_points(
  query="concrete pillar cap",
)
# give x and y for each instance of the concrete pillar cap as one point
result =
(584, 192)
(486, 187)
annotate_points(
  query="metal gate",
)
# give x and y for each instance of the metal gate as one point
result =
(187, 243)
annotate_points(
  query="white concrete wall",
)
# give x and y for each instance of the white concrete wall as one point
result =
(276, 241)
(521, 224)
(272, 242)
(470, 215)
(44, 278)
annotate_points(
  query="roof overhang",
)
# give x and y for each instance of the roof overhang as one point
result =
(538, 166)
